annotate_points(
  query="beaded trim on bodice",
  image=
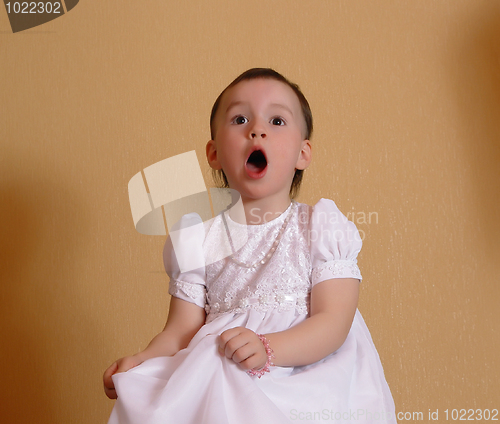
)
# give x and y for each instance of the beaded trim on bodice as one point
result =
(282, 283)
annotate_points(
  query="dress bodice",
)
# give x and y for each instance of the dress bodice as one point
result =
(313, 245)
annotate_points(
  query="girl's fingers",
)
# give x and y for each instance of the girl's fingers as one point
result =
(226, 336)
(240, 345)
(243, 353)
(108, 382)
(128, 362)
(232, 342)
(109, 387)
(110, 393)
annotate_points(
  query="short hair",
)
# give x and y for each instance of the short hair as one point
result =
(265, 73)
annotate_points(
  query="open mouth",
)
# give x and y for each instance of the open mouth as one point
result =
(256, 162)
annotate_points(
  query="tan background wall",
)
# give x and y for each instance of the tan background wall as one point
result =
(406, 99)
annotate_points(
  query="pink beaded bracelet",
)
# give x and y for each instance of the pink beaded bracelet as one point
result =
(270, 357)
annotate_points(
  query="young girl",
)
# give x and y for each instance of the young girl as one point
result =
(270, 333)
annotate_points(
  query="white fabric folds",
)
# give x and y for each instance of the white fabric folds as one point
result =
(198, 385)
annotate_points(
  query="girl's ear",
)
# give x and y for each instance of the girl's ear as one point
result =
(305, 157)
(212, 155)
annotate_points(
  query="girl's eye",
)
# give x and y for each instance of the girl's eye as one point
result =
(239, 120)
(277, 121)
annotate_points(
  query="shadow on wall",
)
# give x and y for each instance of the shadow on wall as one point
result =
(477, 83)
(24, 390)
(37, 308)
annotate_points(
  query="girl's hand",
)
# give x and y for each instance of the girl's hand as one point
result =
(122, 365)
(244, 347)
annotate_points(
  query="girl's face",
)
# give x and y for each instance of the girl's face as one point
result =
(258, 139)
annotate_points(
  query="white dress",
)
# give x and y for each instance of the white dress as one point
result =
(199, 386)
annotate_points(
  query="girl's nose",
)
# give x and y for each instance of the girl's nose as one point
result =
(256, 134)
(257, 130)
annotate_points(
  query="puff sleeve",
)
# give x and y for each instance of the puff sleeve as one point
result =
(335, 244)
(184, 260)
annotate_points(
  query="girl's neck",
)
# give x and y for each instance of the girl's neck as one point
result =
(260, 211)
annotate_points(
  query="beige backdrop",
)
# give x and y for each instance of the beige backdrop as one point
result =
(406, 100)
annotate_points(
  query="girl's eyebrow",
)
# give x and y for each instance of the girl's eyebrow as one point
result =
(234, 104)
(278, 105)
